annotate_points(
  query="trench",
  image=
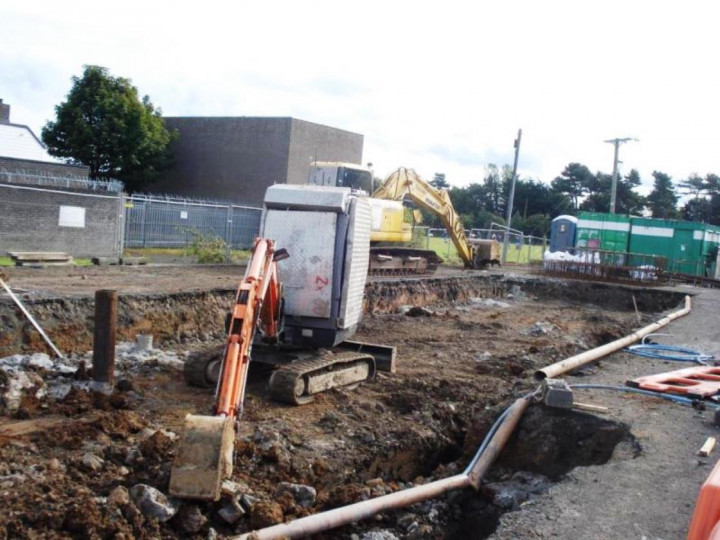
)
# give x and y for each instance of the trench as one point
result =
(199, 316)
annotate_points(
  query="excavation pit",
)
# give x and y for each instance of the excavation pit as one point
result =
(458, 366)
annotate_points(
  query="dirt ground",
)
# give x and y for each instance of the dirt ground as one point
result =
(70, 467)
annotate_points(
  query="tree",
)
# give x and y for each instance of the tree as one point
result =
(104, 125)
(573, 182)
(662, 198)
(439, 181)
(627, 201)
(702, 190)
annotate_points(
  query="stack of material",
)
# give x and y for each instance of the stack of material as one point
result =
(40, 258)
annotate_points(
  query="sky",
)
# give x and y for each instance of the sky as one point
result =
(442, 87)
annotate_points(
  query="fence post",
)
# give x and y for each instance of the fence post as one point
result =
(142, 223)
(228, 233)
(104, 336)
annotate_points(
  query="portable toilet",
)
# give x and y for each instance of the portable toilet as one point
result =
(562, 233)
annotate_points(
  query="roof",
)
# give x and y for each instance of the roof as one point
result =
(19, 142)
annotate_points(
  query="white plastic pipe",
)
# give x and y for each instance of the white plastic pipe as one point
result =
(558, 368)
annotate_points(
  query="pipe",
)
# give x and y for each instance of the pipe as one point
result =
(361, 510)
(558, 368)
(31, 319)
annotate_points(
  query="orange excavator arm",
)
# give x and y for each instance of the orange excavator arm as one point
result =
(204, 455)
(257, 304)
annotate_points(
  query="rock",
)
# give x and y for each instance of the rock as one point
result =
(190, 518)
(153, 503)
(212, 534)
(488, 302)
(123, 471)
(92, 462)
(119, 496)
(247, 501)
(232, 511)
(232, 489)
(264, 514)
(379, 535)
(18, 383)
(39, 360)
(304, 495)
(55, 465)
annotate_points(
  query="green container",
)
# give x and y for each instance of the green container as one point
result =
(606, 232)
(681, 242)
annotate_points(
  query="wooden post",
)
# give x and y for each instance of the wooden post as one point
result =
(104, 336)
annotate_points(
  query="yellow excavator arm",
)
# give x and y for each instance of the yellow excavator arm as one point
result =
(407, 183)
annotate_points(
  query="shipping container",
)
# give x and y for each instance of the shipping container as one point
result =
(605, 232)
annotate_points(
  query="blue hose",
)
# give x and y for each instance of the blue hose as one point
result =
(655, 350)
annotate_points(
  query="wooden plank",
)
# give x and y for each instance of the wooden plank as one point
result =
(39, 255)
(24, 427)
(707, 447)
(590, 408)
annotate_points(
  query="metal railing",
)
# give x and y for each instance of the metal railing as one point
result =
(161, 221)
(611, 266)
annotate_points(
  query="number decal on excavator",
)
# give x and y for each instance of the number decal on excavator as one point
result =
(321, 283)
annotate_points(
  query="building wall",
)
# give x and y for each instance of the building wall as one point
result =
(314, 142)
(237, 158)
(30, 221)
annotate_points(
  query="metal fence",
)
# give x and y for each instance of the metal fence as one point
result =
(156, 221)
(34, 178)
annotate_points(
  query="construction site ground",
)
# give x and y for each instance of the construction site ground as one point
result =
(70, 465)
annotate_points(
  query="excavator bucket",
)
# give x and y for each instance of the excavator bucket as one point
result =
(204, 458)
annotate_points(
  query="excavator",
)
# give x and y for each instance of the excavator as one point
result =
(301, 324)
(389, 228)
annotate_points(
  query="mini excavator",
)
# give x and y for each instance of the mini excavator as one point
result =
(301, 325)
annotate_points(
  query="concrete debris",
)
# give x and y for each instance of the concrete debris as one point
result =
(379, 535)
(232, 511)
(488, 302)
(304, 495)
(233, 488)
(153, 502)
(15, 384)
(541, 328)
(247, 501)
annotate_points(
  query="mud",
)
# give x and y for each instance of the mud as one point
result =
(460, 365)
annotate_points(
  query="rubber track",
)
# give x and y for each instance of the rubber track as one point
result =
(282, 382)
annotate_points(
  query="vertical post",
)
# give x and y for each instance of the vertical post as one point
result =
(512, 197)
(228, 233)
(613, 189)
(104, 336)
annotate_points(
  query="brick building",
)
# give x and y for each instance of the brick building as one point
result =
(237, 158)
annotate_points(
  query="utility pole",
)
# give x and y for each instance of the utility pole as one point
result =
(512, 196)
(613, 189)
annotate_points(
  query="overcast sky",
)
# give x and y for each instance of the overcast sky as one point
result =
(437, 86)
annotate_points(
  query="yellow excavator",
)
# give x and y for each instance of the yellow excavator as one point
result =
(389, 230)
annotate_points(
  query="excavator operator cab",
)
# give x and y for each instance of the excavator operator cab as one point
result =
(339, 174)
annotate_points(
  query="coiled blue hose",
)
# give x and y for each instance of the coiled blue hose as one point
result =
(677, 354)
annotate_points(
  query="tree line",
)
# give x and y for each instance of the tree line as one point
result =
(578, 189)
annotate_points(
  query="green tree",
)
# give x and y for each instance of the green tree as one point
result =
(662, 199)
(439, 181)
(104, 125)
(627, 201)
(573, 182)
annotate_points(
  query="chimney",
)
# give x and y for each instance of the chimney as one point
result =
(4, 113)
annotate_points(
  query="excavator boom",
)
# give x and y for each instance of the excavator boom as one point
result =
(204, 456)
